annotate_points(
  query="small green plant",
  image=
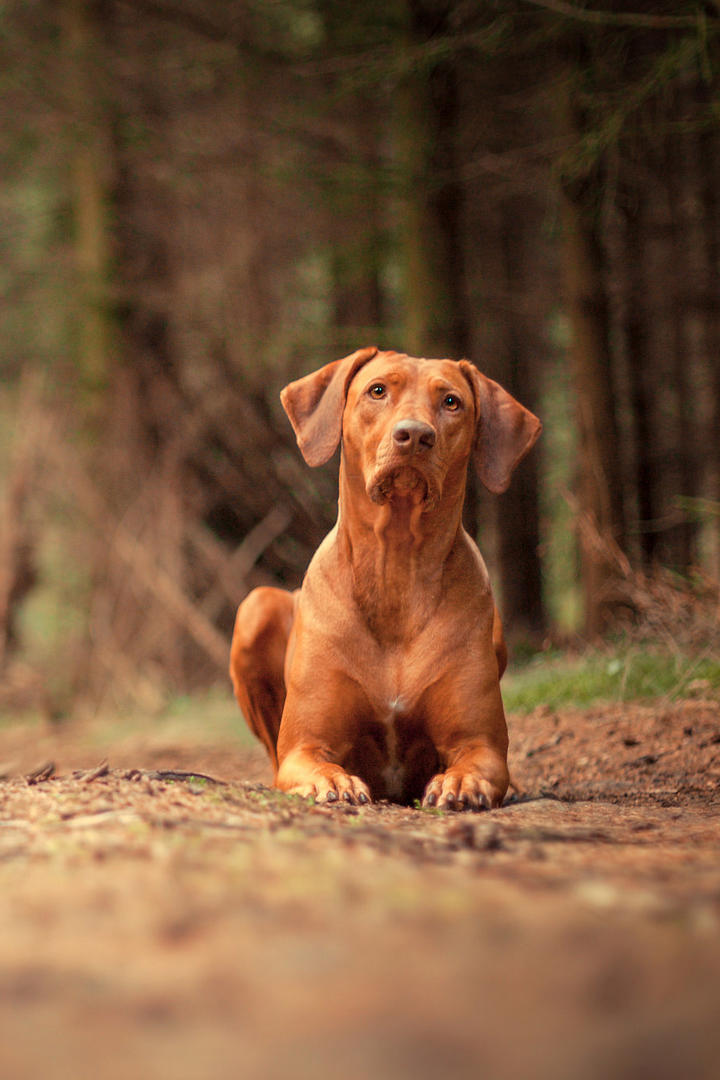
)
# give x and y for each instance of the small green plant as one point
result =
(434, 811)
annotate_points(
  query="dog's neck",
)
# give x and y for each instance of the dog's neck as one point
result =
(395, 552)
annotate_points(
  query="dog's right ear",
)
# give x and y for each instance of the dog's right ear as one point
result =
(316, 402)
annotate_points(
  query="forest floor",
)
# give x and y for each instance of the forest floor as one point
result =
(154, 925)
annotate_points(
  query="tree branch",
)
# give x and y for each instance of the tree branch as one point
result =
(622, 18)
(203, 27)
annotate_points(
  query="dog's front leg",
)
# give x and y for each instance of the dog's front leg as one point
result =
(467, 725)
(317, 736)
(306, 770)
(476, 780)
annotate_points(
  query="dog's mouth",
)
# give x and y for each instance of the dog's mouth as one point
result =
(403, 482)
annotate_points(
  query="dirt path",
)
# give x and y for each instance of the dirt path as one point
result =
(153, 926)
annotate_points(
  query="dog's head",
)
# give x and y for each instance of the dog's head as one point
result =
(407, 423)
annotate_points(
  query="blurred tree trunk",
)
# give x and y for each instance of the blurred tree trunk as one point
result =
(600, 516)
(352, 185)
(436, 317)
(431, 235)
(708, 157)
(635, 328)
(356, 232)
(139, 458)
(680, 538)
(84, 28)
(518, 511)
(19, 527)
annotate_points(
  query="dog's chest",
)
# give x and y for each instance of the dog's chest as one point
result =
(394, 770)
(394, 752)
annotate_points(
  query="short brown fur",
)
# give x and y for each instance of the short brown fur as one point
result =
(380, 677)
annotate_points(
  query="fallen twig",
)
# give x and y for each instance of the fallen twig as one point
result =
(178, 774)
(101, 770)
(43, 772)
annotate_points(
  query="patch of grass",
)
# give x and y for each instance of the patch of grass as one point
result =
(626, 673)
(14, 718)
(212, 714)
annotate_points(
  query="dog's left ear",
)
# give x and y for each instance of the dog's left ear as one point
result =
(504, 430)
(316, 402)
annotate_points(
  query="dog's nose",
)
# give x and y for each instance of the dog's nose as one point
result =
(412, 435)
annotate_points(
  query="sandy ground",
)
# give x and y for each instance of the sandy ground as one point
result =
(156, 925)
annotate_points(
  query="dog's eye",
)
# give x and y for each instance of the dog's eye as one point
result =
(451, 402)
(377, 391)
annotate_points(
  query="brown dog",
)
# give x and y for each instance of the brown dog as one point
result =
(380, 677)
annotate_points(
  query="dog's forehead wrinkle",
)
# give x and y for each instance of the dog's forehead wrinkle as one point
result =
(406, 369)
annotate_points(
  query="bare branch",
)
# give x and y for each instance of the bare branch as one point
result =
(203, 27)
(622, 18)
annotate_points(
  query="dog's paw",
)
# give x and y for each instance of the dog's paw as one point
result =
(346, 788)
(457, 790)
(332, 785)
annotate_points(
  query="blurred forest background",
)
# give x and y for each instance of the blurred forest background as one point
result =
(202, 199)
